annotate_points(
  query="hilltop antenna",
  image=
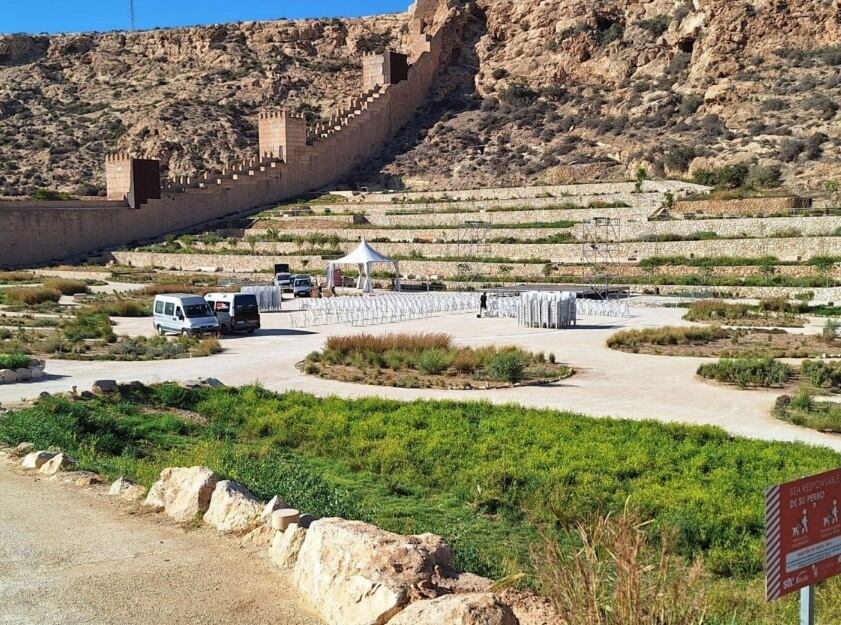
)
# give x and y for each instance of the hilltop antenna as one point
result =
(131, 12)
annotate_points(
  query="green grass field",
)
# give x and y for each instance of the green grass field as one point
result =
(488, 478)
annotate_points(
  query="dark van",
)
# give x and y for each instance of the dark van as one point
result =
(236, 312)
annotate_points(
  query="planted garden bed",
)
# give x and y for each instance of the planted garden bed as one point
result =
(429, 361)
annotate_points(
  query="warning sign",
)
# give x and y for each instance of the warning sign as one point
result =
(802, 533)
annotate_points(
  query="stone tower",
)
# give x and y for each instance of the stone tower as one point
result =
(423, 13)
(134, 180)
(389, 68)
(281, 134)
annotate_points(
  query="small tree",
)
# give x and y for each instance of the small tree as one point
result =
(832, 188)
(641, 176)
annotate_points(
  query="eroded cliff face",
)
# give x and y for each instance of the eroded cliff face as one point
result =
(532, 91)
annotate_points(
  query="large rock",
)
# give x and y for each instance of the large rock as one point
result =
(126, 489)
(183, 492)
(102, 387)
(358, 574)
(275, 503)
(8, 376)
(23, 374)
(36, 459)
(233, 508)
(472, 609)
(286, 546)
(57, 463)
(22, 449)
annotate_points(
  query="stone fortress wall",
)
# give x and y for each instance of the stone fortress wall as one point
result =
(292, 159)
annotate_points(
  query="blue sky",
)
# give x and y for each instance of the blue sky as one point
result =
(36, 16)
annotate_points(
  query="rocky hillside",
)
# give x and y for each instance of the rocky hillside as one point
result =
(533, 91)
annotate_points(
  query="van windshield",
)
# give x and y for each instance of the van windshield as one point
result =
(197, 310)
(245, 303)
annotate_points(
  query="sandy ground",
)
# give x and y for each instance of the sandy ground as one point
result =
(607, 382)
(71, 555)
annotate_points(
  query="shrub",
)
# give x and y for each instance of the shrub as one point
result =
(16, 276)
(690, 103)
(507, 366)
(821, 374)
(14, 361)
(612, 571)
(207, 347)
(829, 334)
(87, 325)
(385, 342)
(790, 149)
(656, 25)
(764, 372)
(668, 335)
(67, 287)
(123, 307)
(465, 361)
(48, 195)
(518, 95)
(432, 361)
(715, 310)
(32, 295)
(679, 158)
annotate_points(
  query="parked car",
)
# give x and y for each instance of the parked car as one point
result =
(302, 286)
(235, 312)
(283, 280)
(183, 314)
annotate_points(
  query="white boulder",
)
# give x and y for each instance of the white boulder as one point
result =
(233, 508)
(57, 463)
(36, 459)
(126, 489)
(8, 376)
(275, 503)
(23, 374)
(359, 574)
(471, 609)
(22, 449)
(286, 546)
(183, 492)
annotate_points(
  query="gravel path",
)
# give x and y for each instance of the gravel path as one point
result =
(71, 555)
(607, 382)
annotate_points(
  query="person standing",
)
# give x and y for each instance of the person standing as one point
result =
(483, 305)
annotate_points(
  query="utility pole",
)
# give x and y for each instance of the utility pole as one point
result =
(131, 11)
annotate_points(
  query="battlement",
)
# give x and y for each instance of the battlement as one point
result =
(117, 157)
(280, 114)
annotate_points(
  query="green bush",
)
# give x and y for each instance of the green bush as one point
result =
(14, 361)
(433, 361)
(87, 325)
(821, 374)
(765, 372)
(667, 335)
(507, 366)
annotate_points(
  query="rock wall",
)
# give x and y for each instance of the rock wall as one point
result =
(746, 207)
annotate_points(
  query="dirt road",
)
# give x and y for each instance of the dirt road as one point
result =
(73, 556)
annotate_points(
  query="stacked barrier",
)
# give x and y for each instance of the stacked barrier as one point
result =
(378, 309)
(269, 298)
(553, 309)
(539, 309)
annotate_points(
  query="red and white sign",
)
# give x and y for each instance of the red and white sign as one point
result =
(802, 533)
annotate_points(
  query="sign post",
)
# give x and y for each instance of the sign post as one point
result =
(802, 538)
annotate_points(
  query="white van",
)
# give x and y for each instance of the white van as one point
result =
(183, 314)
(235, 312)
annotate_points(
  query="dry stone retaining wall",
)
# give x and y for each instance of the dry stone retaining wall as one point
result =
(748, 206)
(507, 193)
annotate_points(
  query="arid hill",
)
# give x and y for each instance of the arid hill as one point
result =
(533, 91)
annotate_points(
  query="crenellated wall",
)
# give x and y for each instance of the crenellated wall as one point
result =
(292, 160)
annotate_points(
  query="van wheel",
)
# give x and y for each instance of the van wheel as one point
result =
(251, 331)
(160, 330)
(184, 333)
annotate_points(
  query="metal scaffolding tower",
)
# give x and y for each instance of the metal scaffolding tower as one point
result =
(601, 251)
(473, 245)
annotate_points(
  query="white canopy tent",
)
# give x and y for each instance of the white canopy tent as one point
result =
(364, 256)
